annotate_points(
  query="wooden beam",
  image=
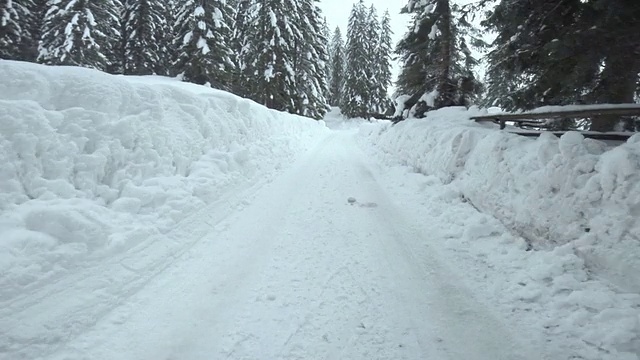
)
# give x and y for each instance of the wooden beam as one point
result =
(585, 113)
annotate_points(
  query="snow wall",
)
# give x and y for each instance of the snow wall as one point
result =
(92, 164)
(551, 191)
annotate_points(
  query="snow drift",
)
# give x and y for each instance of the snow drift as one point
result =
(92, 163)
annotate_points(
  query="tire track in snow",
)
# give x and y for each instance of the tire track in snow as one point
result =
(43, 320)
(383, 298)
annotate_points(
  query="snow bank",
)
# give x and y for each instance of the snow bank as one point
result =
(92, 164)
(552, 191)
(575, 200)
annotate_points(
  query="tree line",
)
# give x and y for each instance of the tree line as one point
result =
(281, 54)
(360, 68)
(275, 52)
(272, 51)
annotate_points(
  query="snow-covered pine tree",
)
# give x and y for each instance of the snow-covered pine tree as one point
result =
(437, 63)
(244, 17)
(356, 90)
(336, 68)
(15, 22)
(383, 68)
(165, 37)
(372, 49)
(269, 54)
(114, 48)
(204, 54)
(326, 32)
(117, 58)
(79, 32)
(310, 59)
(144, 22)
(37, 11)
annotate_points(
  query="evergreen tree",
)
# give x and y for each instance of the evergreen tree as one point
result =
(144, 21)
(336, 68)
(368, 69)
(383, 66)
(437, 63)
(79, 33)
(372, 50)
(310, 62)
(244, 17)
(283, 55)
(37, 11)
(327, 46)
(15, 19)
(619, 37)
(550, 53)
(204, 53)
(165, 37)
(356, 91)
(269, 54)
(530, 68)
(116, 57)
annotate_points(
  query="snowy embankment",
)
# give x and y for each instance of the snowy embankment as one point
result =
(94, 164)
(576, 201)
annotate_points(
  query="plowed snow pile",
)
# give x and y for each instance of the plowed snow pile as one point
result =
(575, 201)
(93, 164)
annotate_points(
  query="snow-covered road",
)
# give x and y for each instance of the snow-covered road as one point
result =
(149, 218)
(281, 270)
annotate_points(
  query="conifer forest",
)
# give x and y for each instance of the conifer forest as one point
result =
(281, 53)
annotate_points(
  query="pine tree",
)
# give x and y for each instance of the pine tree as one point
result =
(283, 55)
(368, 70)
(79, 33)
(327, 45)
(269, 54)
(204, 53)
(15, 19)
(356, 91)
(528, 67)
(165, 37)
(244, 17)
(310, 62)
(550, 53)
(144, 21)
(336, 68)
(437, 63)
(372, 50)
(383, 68)
(116, 56)
(37, 11)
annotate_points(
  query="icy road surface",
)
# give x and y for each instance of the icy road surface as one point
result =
(283, 270)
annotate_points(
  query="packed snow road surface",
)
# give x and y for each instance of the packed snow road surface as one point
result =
(286, 270)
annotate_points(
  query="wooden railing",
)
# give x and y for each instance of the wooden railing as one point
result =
(543, 120)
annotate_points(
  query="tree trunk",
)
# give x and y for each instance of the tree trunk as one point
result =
(446, 93)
